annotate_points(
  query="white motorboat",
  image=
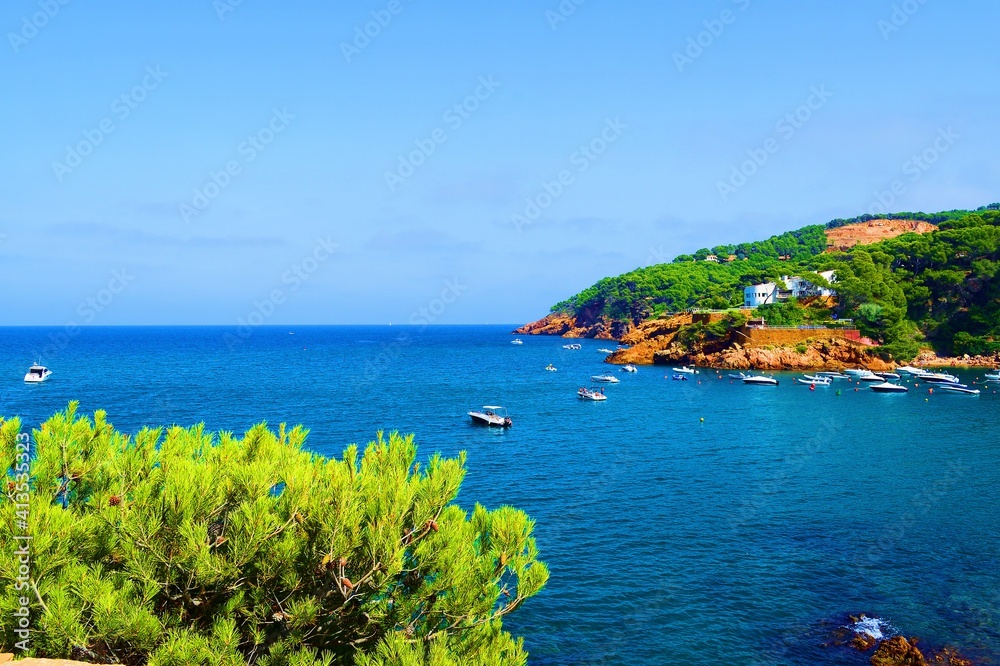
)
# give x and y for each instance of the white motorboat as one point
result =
(832, 374)
(592, 394)
(910, 370)
(938, 378)
(629, 368)
(573, 346)
(493, 416)
(760, 380)
(607, 378)
(37, 374)
(737, 375)
(888, 387)
(605, 350)
(686, 370)
(888, 375)
(857, 372)
(958, 388)
(517, 341)
(551, 368)
(992, 376)
(872, 377)
(810, 380)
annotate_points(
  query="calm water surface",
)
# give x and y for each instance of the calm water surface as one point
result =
(742, 538)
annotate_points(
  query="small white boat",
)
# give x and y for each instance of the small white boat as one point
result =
(857, 372)
(685, 370)
(592, 394)
(629, 368)
(493, 416)
(888, 387)
(813, 381)
(573, 346)
(737, 375)
(37, 374)
(605, 350)
(607, 378)
(958, 388)
(992, 376)
(550, 368)
(910, 370)
(888, 375)
(517, 341)
(759, 380)
(832, 375)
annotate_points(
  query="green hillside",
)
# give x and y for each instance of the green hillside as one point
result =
(942, 287)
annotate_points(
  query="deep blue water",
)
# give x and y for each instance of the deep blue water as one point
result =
(741, 539)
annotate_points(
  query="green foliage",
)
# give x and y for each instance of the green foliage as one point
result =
(963, 343)
(802, 348)
(699, 332)
(690, 282)
(180, 547)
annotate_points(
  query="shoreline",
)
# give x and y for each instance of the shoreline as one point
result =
(653, 342)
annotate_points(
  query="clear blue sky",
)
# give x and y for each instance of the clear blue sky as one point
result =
(339, 118)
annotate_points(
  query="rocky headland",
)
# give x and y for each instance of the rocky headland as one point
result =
(655, 342)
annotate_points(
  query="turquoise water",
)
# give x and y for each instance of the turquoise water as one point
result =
(745, 538)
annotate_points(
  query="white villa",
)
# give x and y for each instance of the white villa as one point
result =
(760, 294)
(790, 287)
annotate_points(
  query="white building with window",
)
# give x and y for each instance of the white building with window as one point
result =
(801, 288)
(760, 294)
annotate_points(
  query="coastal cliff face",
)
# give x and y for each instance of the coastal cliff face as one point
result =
(654, 342)
(582, 326)
(819, 355)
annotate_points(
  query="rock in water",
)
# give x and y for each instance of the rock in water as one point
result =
(897, 651)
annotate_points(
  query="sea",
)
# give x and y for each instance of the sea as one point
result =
(684, 522)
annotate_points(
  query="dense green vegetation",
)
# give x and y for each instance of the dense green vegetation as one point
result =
(181, 547)
(942, 287)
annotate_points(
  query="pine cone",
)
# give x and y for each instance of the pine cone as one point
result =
(81, 653)
(346, 582)
(433, 525)
(215, 530)
(114, 500)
